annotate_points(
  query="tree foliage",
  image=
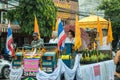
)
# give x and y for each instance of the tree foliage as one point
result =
(112, 12)
(44, 10)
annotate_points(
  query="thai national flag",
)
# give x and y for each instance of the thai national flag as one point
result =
(9, 42)
(61, 36)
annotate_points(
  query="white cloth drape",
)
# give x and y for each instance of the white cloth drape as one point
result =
(85, 72)
(16, 74)
(69, 74)
(53, 76)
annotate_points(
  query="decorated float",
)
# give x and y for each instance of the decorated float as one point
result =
(49, 64)
(94, 26)
(45, 59)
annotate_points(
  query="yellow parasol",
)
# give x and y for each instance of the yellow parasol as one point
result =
(91, 22)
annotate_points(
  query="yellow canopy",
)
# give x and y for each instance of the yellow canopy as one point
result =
(91, 22)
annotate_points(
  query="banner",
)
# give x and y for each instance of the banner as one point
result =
(31, 67)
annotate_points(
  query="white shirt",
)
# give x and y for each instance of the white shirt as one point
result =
(105, 46)
(69, 41)
(53, 40)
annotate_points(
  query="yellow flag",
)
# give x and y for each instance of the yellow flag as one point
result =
(36, 27)
(56, 26)
(78, 41)
(109, 36)
(94, 45)
(100, 32)
(53, 28)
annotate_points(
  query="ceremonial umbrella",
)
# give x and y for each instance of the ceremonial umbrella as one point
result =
(91, 22)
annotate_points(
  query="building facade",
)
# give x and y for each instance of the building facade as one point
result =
(4, 6)
(67, 10)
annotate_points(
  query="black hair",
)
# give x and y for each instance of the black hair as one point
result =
(117, 49)
(72, 32)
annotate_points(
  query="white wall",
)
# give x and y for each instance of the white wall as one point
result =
(86, 7)
(13, 2)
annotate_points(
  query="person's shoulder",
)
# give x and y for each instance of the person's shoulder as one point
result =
(56, 38)
(51, 40)
(40, 40)
(67, 38)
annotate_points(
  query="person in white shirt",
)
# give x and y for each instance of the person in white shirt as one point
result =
(70, 38)
(54, 37)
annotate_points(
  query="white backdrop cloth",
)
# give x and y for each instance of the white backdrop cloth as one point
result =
(84, 72)
(106, 71)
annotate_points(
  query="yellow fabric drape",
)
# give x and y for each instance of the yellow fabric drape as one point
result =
(78, 41)
(109, 36)
(36, 27)
(100, 32)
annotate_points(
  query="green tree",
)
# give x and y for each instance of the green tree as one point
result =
(44, 10)
(112, 12)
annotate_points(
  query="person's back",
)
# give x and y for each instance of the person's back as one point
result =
(117, 63)
(37, 43)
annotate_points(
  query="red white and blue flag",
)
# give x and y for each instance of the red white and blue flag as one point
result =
(61, 36)
(9, 42)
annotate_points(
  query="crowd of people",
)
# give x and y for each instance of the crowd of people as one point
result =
(39, 43)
